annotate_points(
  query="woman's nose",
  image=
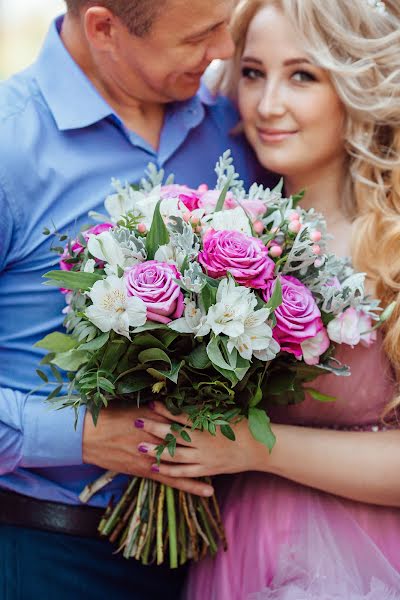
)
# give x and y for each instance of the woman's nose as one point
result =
(272, 102)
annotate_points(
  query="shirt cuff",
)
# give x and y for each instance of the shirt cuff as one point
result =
(49, 435)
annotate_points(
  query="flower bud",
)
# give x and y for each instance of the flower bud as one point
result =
(275, 251)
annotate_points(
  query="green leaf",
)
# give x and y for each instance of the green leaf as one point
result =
(42, 375)
(172, 374)
(208, 296)
(72, 280)
(198, 358)
(113, 354)
(280, 382)
(57, 342)
(147, 341)
(260, 427)
(134, 383)
(96, 344)
(257, 397)
(55, 392)
(228, 432)
(158, 234)
(154, 355)
(71, 360)
(150, 326)
(276, 299)
(221, 199)
(319, 396)
(215, 355)
(56, 373)
(185, 436)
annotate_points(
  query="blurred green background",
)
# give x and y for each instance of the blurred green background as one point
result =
(23, 25)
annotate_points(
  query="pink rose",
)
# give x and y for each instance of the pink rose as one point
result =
(352, 327)
(154, 282)
(77, 247)
(298, 317)
(244, 257)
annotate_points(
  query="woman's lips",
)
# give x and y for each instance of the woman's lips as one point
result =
(271, 136)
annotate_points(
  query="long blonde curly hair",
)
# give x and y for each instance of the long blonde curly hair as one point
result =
(359, 46)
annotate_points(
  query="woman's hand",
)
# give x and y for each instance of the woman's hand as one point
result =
(205, 454)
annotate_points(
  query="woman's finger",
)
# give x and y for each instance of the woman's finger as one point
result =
(181, 455)
(160, 430)
(161, 409)
(179, 471)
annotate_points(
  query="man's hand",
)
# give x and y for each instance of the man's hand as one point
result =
(112, 445)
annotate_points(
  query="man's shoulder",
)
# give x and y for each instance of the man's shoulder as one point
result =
(17, 94)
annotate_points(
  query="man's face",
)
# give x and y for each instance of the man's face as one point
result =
(167, 63)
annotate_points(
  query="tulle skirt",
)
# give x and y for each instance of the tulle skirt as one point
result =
(289, 542)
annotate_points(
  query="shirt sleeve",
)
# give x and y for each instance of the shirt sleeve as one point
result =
(32, 434)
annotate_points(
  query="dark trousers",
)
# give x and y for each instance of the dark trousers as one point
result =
(36, 565)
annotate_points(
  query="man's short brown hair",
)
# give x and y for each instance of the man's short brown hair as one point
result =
(137, 15)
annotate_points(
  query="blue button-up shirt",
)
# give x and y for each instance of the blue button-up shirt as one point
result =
(60, 145)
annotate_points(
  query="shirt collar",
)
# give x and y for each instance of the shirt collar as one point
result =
(72, 98)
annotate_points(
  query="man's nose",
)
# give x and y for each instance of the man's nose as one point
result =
(222, 46)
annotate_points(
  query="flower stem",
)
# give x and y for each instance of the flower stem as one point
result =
(173, 549)
(160, 514)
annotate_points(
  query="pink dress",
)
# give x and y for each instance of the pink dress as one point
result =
(291, 542)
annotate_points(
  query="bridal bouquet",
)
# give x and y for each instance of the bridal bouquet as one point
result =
(216, 302)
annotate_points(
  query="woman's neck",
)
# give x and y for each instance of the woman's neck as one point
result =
(324, 192)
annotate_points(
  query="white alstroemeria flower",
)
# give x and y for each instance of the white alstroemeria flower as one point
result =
(89, 266)
(256, 338)
(191, 320)
(229, 220)
(170, 254)
(230, 311)
(106, 248)
(113, 309)
(133, 201)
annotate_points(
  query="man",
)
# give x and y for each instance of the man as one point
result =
(115, 87)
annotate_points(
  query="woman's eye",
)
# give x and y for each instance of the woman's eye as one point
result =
(303, 76)
(249, 73)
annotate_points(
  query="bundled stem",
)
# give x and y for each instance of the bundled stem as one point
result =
(154, 523)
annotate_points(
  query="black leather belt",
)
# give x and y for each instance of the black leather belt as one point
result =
(23, 511)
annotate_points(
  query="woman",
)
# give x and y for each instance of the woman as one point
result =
(318, 86)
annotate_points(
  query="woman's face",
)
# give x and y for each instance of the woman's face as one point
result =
(291, 113)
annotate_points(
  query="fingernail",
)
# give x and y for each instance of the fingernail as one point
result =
(143, 448)
(139, 423)
(152, 405)
(155, 468)
(208, 493)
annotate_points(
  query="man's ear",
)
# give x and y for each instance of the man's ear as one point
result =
(101, 27)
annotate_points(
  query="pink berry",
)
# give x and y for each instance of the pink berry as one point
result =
(258, 227)
(316, 249)
(194, 221)
(202, 188)
(275, 251)
(294, 216)
(294, 226)
(199, 229)
(318, 263)
(315, 236)
(186, 216)
(142, 228)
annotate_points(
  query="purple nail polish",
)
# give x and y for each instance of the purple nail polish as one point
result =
(155, 468)
(143, 448)
(139, 423)
(152, 405)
